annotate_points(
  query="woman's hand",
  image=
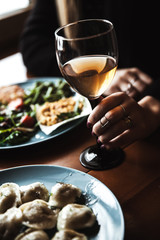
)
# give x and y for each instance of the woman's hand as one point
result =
(118, 120)
(132, 81)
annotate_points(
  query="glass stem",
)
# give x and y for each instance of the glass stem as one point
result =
(95, 102)
(99, 144)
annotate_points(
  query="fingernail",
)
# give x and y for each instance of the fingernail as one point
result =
(93, 134)
(89, 125)
(99, 141)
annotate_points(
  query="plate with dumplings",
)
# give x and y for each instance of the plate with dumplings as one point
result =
(57, 203)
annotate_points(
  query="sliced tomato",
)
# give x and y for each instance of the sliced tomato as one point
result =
(16, 104)
(27, 121)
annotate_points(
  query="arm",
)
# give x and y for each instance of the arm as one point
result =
(37, 41)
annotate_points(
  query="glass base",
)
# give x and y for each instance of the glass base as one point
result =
(100, 159)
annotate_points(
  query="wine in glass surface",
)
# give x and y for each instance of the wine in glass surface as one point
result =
(89, 75)
(87, 56)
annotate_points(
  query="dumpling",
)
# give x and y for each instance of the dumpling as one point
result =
(63, 194)
(75, 216)
(10, 223)
(9, 196)
(34, 191)
(69, 235)
(32, 234)
(38, 214)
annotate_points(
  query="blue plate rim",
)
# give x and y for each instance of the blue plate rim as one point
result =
(74, 170)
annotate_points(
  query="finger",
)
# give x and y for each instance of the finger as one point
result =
(105, 105)
(110, 118)
(112, 89)
(139, 85)
(134, 87)
(131, 90)
(141, 75)
(123, 80)
(136, 82)
(126, 84)
(122, 141)
(113, 132)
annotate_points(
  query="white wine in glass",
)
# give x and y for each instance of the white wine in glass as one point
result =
(90, 75)
(87, 55)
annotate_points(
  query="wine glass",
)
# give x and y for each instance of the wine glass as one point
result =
(87, 55)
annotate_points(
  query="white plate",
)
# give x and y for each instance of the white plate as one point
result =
(99, 197)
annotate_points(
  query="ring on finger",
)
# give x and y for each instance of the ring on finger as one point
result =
(128, 122)
(104, 121)
(124, 110)
(133, 80)
(129, 88)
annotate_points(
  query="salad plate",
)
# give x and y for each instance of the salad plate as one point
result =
(40, 136)
(98, 196)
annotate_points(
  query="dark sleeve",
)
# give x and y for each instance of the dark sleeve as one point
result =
(37, 41)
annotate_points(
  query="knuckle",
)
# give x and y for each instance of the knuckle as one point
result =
(123, 95)
(110, 115)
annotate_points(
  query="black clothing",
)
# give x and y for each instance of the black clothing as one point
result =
(135, 23)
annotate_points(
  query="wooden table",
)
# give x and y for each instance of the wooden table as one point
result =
(135, 183)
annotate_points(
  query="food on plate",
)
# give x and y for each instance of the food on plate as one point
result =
(10, 223)
(9, 93)
(63, 194)
(34, 191)
(27, 121)
(68, 234)
(47, 91)
(32, 234)
(37, 214)
(9, 196)
(17, 125)
(53, 112)
(18, 106)
(31, 212)
(75, 216)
